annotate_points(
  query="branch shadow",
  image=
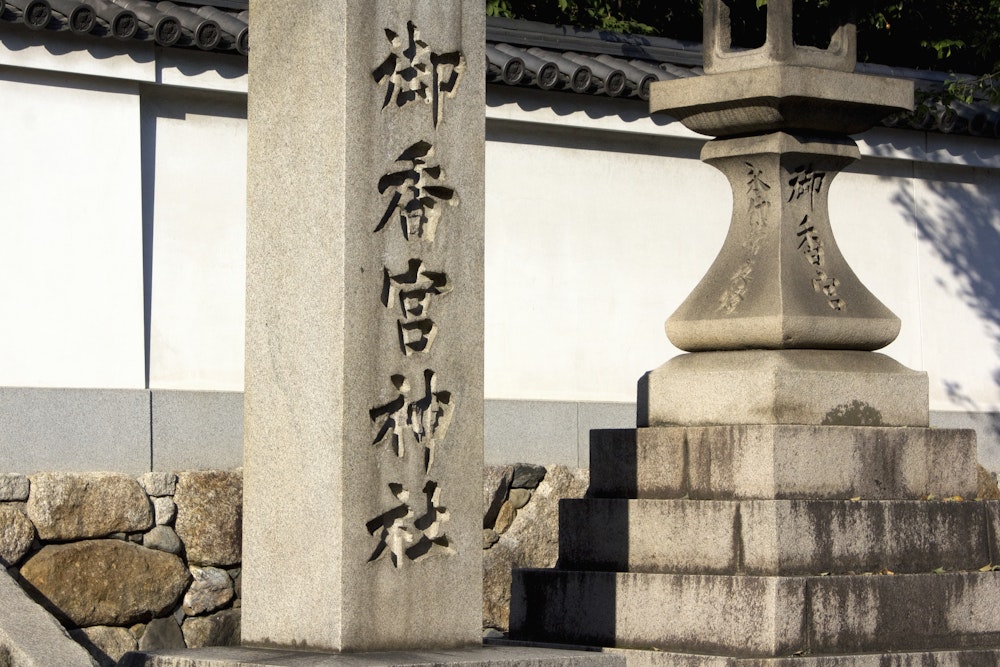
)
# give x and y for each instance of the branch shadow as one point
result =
(959, 221)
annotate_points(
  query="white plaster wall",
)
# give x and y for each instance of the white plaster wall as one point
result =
(957, 213)
(587, 253)
(590, 249)
(71, 293)
(873, 230)
(199, 243)
(599, 222)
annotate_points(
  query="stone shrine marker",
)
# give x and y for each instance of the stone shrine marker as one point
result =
(363, 439)
(364, 368)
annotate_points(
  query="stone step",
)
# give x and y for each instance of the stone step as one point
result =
(771, 537)
(969, 658)
(757, 617)
(783, 461)
(475, 656)
(645, 658)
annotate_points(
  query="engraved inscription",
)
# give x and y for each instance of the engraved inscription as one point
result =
(413, 71)
(811, 246)
(427, 419)
(418, 196)
(758, 207)
(410, 293)
(416, 417)
(402, 534)
(805, 183)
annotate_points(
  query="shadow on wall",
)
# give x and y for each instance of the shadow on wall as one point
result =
(959, 218)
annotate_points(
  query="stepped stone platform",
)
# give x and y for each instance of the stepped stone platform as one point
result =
(755, 545)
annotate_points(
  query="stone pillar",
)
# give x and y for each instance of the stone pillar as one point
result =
(364, 356)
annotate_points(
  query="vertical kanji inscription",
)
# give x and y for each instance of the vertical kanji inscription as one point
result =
(413, 71)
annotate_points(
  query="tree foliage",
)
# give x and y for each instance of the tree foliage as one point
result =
(950, 35)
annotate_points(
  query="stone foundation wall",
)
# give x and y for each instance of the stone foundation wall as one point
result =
(154, 562)
(128, 563)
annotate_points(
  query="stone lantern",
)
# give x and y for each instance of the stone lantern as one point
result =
(778, 504)
(781, 329)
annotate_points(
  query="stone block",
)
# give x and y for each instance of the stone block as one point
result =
(527, 476)
(162, 538)
(480, 656)
(158, 484)
(105, 582)
(219, 629)
(73, 506)
(105, 643)
(967, 658)
(757, 617)
(164, 511)
(30, 637)
(16, 535)
(784, 462)
(197, 430)
(161, 634)
(211, 589)
(775, 97)
(496, 485)
(770, 537)
(639, 463)
(13, 487)
(820, 387)
(45, 429)
(210, 516)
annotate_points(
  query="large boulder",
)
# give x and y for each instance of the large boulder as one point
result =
(531, 540)
(75, 506)
(106, 582)
(210, 516)
(16, 535)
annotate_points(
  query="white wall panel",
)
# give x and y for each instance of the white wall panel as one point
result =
(871, 210)
(71, 293)
(958, 219)
(587, 253)
(199, 244)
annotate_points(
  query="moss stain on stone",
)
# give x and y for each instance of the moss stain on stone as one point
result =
(855, 413)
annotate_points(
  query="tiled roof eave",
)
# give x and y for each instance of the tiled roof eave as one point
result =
(519, 53)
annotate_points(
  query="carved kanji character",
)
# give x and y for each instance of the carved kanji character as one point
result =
(391, 528)
(417, 196)
(805, 181)
(426, 419)
(400, 535)
(395, 415)
(411, 292)
(810, 243)
(413, 71)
